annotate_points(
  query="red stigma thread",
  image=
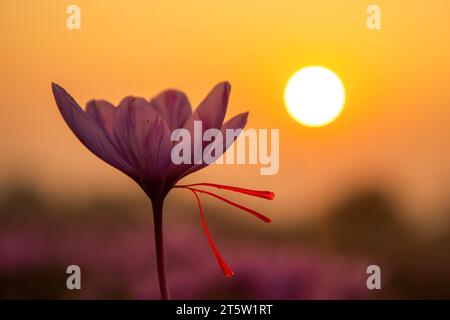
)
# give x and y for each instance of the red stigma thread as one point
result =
(223, 265)
(256, 193)
(269, 195)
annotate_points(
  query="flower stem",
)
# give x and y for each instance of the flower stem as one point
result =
(159, 243)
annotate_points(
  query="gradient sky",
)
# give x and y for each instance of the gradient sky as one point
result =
(394, 131)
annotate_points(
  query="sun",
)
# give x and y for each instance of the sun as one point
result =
(314, 96)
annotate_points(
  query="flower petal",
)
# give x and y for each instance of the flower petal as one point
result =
(211, 113)
(103, 113)
(174, 107)
(88, 131)
(237, 122)
(141, 133)
(212, 109)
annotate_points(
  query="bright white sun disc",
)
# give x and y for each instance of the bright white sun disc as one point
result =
(314, 96)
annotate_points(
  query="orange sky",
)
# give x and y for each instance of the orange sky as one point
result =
(394, 129)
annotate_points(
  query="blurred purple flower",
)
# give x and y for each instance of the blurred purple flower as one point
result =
(115, 264)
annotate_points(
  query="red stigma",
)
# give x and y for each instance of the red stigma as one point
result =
(223, 265)
(255, 193)
(269, 195)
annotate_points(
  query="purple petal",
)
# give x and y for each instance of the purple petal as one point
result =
(88, 131)
(103, 113)
(237, 122)
(141, 133)
(211, 113)
(212, 109)
(174, 107)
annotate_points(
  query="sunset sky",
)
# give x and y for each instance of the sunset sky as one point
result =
(394, 131)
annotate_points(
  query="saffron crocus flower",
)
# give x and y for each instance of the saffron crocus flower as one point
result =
(135, 138)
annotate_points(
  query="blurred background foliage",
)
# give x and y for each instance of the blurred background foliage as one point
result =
(111, 239)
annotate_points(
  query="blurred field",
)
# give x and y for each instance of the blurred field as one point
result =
(112, 241)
